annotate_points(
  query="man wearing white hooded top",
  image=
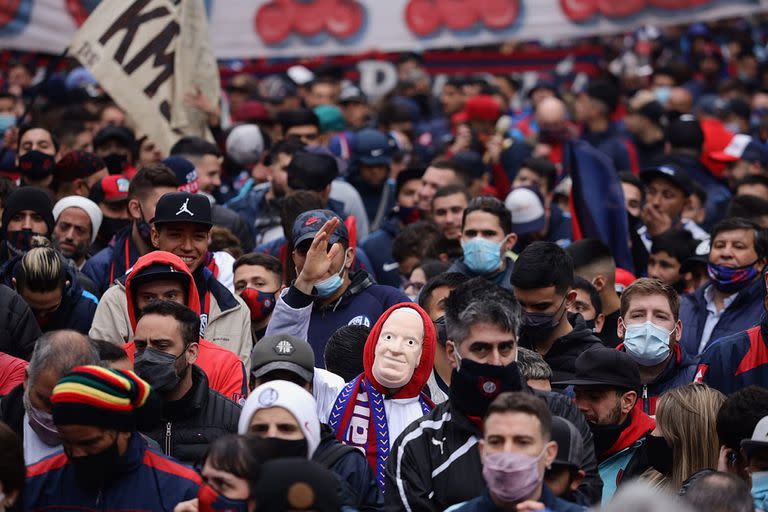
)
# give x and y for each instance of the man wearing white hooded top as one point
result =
(284, 413)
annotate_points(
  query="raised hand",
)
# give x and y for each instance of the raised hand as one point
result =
(319, 259)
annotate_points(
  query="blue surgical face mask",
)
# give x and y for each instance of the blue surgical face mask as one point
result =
(647, 343)
(6, 121)
(329, 286)
(482, 256)
(662, 93)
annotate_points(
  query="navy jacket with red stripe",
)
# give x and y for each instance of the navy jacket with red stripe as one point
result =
(737, 361)
(145, 480)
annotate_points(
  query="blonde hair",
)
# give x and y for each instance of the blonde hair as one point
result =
(686, 417)
(40, 270)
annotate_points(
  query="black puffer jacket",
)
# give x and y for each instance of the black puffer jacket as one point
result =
(190, 424)
(435, 462)
(18, 328)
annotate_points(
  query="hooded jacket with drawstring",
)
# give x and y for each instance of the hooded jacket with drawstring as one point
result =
(228, 324)
(396, 409)
(225, 372)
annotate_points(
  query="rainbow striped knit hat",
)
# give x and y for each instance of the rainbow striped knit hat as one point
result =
(92, 395)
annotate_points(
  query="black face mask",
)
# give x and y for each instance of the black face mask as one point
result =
(36, 165)
(20, 242)
(536, 327)
(116, 163)
(93, 471)
(606, 436)
(158, 369)
(475, 385)
(110, 227)
(287, 448)
(659, 454)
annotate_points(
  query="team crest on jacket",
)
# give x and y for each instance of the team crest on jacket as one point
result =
(360, 320)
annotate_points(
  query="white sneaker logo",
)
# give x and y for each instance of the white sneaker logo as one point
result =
(184, 209)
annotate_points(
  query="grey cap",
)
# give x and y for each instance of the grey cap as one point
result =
(283, 352)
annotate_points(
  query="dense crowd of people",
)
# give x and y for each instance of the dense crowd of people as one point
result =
(341, 303)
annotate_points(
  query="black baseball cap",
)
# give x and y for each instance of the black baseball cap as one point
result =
(311, 171)
(685, 132)
(605, 367)
(308, 224)
(670, 172)
(570, 444)
(157, 271)
(121, 134)
(183, 207)
(283, 352)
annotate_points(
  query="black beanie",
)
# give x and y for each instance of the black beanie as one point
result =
(604, 92)
(29, 198)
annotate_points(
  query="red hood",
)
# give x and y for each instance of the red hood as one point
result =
(193, 299)
(640, 424)
(423, 370)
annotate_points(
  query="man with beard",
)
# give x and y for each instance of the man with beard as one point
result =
(27, 408)
(259, 205)
(606, 383)
(78, 220)
(105, 460)
(193, 415)
(435, 463)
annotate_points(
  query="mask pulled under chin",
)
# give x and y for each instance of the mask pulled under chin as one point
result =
(475, 385)
(731, 280)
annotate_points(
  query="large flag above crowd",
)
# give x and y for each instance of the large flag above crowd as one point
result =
(147, 54)
(300, 28)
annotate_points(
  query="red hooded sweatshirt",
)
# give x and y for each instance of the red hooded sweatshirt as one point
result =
(223, 368)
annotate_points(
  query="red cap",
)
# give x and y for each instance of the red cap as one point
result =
(624, 278)
(110, 189)
(251, 111)
(482, 107)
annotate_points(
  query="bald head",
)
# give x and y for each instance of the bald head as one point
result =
(58, 352)
(551, 112)
(680, 100)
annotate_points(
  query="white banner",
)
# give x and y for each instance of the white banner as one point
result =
(303, 28)
(147, 54)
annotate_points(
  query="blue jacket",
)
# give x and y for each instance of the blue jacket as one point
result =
(146, 480)
(113, 261)
(743, 313)
(483, 503)
(760, 490)
(362, 304)
(736, 361)
(378, 247)
(613, 144)
(256, 211)
(77, 306)
(503, 279)
(679, 371)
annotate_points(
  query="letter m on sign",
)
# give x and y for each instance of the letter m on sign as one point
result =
(129, 23)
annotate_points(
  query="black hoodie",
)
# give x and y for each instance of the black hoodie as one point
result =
(562, 356)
